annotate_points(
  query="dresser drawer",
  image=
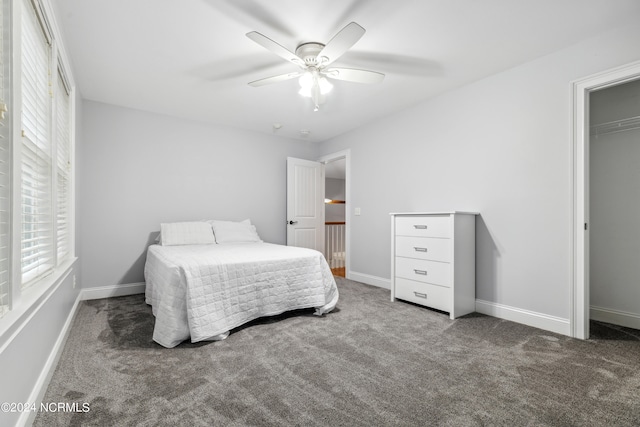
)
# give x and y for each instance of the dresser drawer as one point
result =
(433, 296)
(430, 248)
(438, 273)
(424, 226)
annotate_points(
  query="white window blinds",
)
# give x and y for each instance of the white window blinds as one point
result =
(37, 255)
(5, 167)
(63, 170)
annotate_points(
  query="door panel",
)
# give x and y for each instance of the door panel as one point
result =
(305, 204)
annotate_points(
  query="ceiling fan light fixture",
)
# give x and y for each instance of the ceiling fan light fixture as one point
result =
(308, 82)
(305, 91)
(325, 86)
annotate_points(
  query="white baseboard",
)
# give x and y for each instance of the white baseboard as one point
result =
(40, 388)
(616, 317)
(369, 279)
(112, 291)
(526, 317)
(501, 311)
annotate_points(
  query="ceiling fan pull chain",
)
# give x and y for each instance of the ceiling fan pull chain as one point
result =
(316, 94)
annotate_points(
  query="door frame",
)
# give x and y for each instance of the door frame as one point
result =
(346, 155)
(579, 321)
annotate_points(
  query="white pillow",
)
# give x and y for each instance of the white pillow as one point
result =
(186, 233)
(231, 231)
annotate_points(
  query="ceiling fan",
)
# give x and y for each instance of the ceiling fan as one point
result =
(314, 60)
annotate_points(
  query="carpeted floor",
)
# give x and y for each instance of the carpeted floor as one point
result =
(369, 363)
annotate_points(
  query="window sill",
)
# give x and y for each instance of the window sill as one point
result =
(32, 298)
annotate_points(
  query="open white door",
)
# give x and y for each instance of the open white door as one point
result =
(305, 204)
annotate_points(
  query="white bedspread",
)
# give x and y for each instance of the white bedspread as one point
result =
(203, 291)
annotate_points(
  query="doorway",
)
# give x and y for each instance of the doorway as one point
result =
(335, 215)
(580, 300)
(337, 200)
(614, 204)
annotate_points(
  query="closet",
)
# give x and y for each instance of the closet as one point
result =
(614, 204)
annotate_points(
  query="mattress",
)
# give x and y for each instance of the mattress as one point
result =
(201, 292)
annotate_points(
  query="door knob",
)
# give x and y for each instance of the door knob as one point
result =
(293, 222)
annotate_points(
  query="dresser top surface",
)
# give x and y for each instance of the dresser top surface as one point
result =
(433, 213)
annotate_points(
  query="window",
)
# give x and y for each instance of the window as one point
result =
(37, 257)
(5, 161)
(63, 146)
(36, 160)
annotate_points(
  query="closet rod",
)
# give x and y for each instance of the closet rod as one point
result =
(615, 126)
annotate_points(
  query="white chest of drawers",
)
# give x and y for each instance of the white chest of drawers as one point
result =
(433, 260)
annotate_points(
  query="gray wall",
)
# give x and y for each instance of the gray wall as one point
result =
(501, 146)
(615, 202)
(26, 354)
(140, 169)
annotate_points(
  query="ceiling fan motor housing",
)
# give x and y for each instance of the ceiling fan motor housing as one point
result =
(309, 53)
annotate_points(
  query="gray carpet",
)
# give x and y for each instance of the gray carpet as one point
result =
(370, 362)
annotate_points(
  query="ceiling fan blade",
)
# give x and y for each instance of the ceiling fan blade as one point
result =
(275, 79)
(354, 75)
(341, 42)
(274, 47)
(395, 63)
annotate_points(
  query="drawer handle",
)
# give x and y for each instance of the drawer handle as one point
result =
(420, 295)
(420, 227)
(420, 249)
(420, 272)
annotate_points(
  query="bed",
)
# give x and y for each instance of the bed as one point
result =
(201, 291)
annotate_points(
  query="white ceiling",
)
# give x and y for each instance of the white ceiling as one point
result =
(191, 58)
